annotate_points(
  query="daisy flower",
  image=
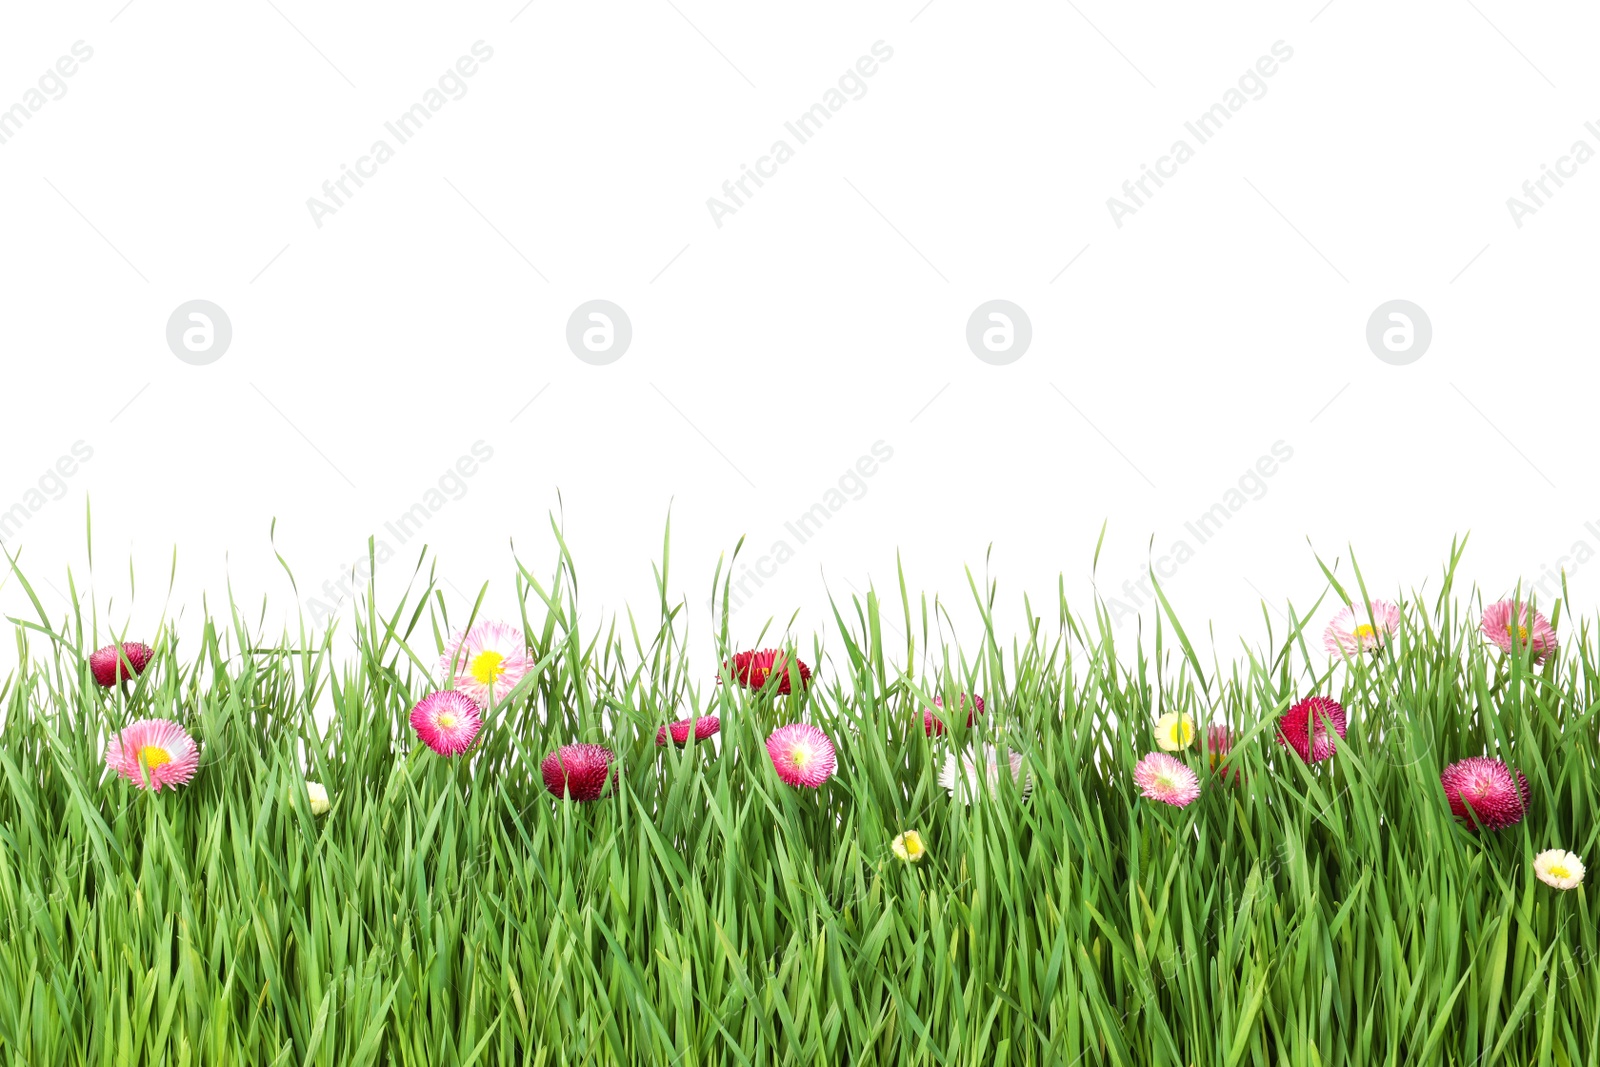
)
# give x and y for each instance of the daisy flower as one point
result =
(966, 777)
(802, 754)
(1174, 731)
(909, 847)
(1161, 777)
(702, 727)
(318, 794)
(580, 772)
(933, 726)
(752, 669)
(1559, 868)
(152, 753)
(447, 721)
(109, 669)
(1507, 625)
(487, 661)
(1219, 743)
(1493, 794)
(1354, 630)
(1305, 728)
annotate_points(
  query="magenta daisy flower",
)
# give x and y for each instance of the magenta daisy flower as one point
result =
(702, 727)
(1509, 626)
(1305, 728)
(1167, 779)
(578, 772)
(1354, 630)
(487, 661)
(447, 721)
(152, 753)
(933, 726)
(802, 754)
(752, 669)
(1494, 794)
(109, 669)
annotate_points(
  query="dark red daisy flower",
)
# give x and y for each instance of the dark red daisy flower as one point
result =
(1305, 728)
(578, 771)
(703, 728)
(752, 669)
(1497, 796)
(109, 669)
(933, 726)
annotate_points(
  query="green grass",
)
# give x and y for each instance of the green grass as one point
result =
(452, 912)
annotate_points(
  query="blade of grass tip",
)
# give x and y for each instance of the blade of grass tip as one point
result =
(1183, 638)
(1343, 596)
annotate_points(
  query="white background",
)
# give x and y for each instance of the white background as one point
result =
(827, 314)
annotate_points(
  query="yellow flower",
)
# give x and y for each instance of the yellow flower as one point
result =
(909, 847)
(1174, 731)
(319, 797)
(1564, 870)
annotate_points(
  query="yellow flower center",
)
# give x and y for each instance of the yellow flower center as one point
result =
(1521, 632)
(487, 666)
(800, 757)
(446, 720)
(914, 848)
(1558, 870)
(154, 756)
(1365, 632)
(1181, 733)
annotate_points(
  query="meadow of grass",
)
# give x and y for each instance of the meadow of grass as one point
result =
(453, 912)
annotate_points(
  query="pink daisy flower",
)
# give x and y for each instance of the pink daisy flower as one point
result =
(752, 669)
(1353, 630)
(487, 661)
(152, 753)
(1167, 779)
(1304, 728)
(1219, 743)
(1507, 625)
(579, 772)
(109, 669)
(933, 726)
(802, 754)
(447, 721)
(1495, 795)
(703, 728)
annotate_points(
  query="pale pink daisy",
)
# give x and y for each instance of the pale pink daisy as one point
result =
(802, 754)
(447, 721)
(152, 753)
(1355, 630)
(487, 661)
(1558, 867)
(970, 777)
(1169, 780)
(1508, 625)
